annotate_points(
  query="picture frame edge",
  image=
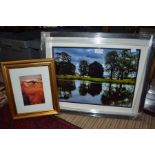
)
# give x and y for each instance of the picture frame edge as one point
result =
(56, 34)
(9, 91)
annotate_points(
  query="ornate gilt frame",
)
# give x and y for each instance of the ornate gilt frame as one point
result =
(5, 66)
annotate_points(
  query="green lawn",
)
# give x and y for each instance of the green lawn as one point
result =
(105, 80)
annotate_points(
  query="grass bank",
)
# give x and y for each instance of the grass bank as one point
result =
(100, 80)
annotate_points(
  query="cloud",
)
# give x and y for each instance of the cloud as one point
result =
(88, 54)
(78, 54)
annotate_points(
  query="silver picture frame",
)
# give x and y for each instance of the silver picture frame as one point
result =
(57, 41)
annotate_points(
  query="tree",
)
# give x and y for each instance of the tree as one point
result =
(122, 64)
(134, 64)
(111, 62)
(63, 57)
(83, 67)
(64, 65)
(96, 70)
(126, 64)
(65, 68)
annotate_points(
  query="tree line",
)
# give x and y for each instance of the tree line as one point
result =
(65, 67)
(121, 65)
(118, 65)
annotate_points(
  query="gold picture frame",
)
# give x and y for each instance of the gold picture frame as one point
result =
(31, 87)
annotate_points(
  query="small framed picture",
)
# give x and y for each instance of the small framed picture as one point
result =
(100, 73)
(31, 87)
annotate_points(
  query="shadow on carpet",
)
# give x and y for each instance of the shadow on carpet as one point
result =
(44, 122)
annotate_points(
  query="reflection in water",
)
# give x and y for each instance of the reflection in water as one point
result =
(94, 88)
(65, 88)
(83, 89)
(117, 96)
(95, 93)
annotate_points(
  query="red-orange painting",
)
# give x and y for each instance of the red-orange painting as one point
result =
(32, 89)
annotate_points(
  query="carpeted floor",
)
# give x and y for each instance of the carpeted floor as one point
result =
(75, 121)
(44, 122)
(145, 121)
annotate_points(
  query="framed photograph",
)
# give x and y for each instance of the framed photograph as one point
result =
(30, 87)
(100, 73)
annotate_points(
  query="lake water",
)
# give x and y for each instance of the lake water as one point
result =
(86, 92)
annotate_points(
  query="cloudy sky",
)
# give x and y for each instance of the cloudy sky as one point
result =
(89, 54)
